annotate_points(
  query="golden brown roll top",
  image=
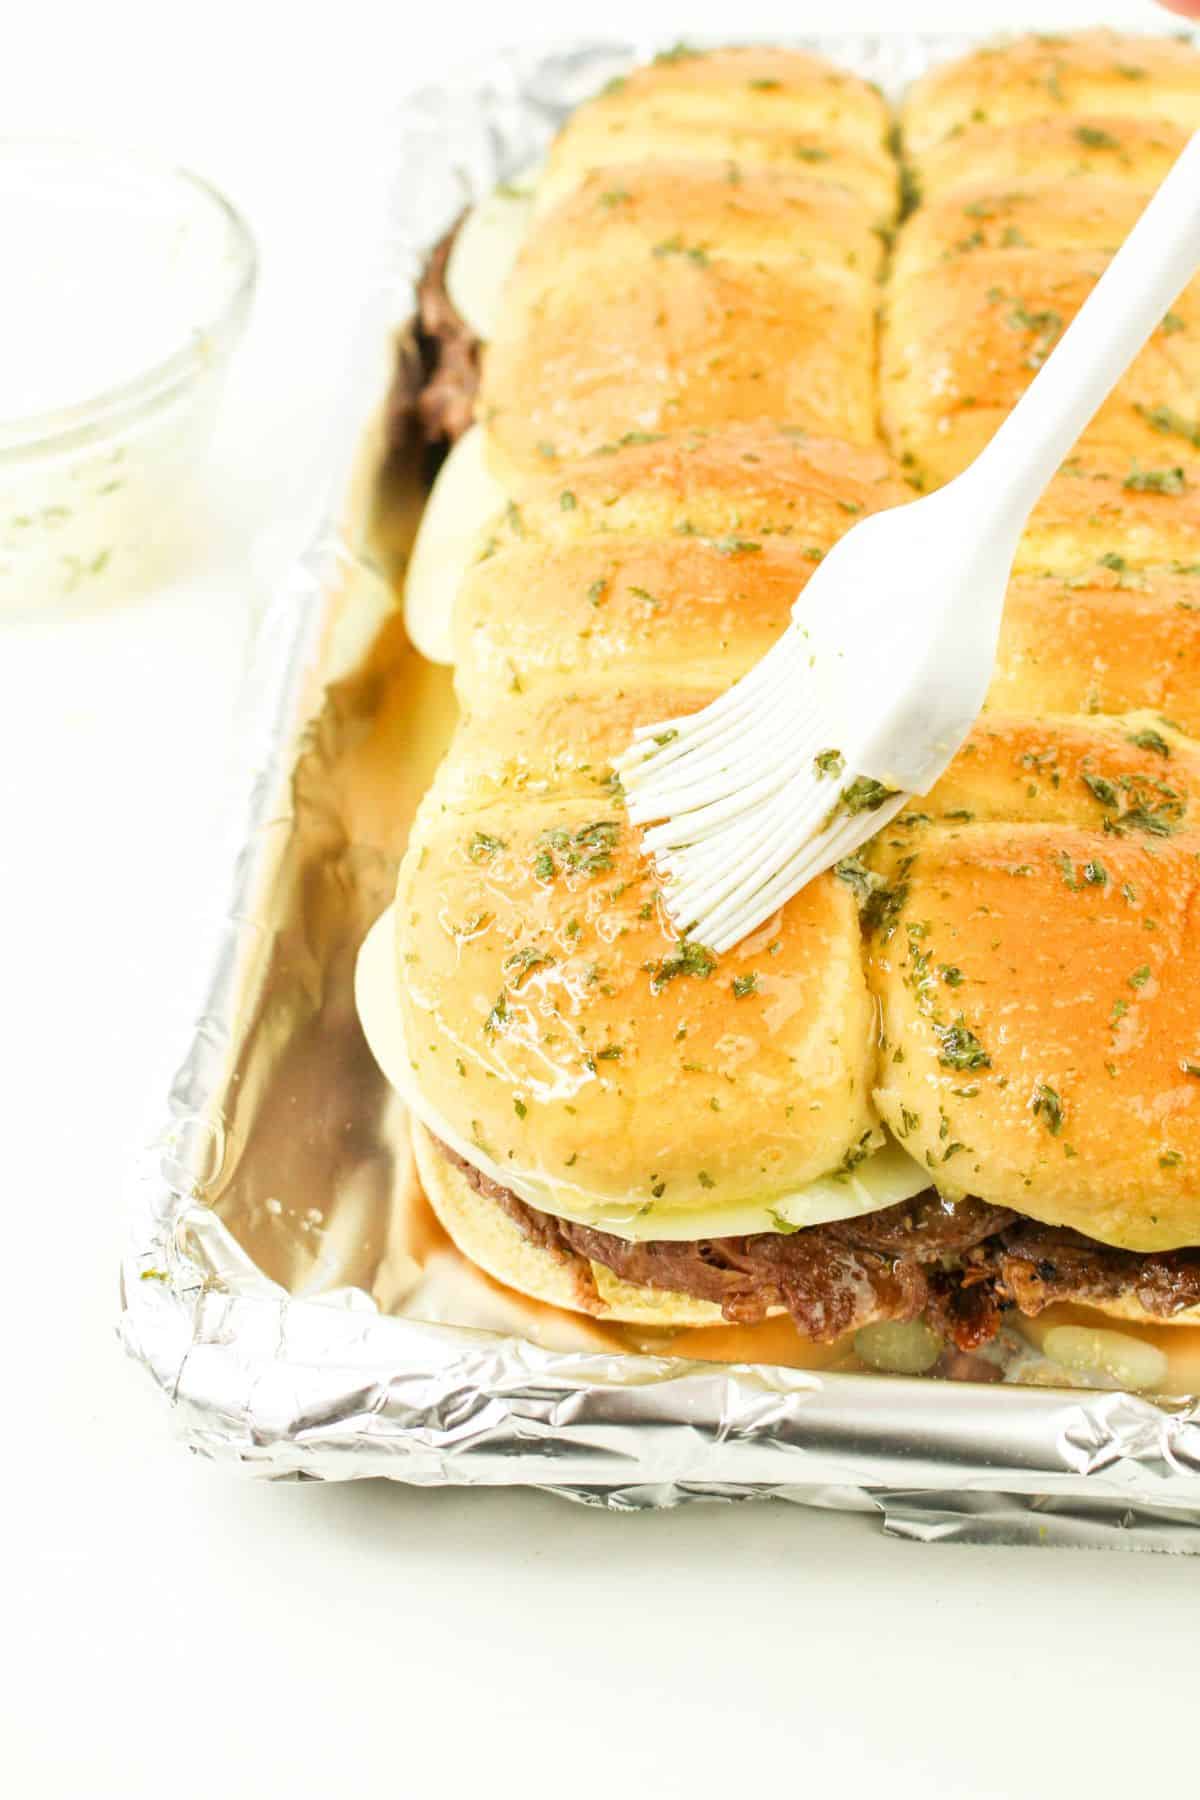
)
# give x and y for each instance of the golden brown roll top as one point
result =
(1090, 215)
(1033, 162)
(1125, 520)
(675, 559)
(1031, 924)
(548, 1003)
(1099, 773)
(1059, 151)
(1049, 75)
(707, 251)
(1024, 936)
(747, 108)
(564, 1030)
(966, 337)
(1100, 644)
(1040, 992)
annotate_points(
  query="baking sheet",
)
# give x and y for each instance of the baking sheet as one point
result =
(286, 1284)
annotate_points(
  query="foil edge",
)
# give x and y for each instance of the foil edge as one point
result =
(287, 1388)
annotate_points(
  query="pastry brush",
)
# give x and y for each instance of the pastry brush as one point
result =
(883, 669)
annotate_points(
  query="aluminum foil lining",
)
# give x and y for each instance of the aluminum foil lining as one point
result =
(277, 1284)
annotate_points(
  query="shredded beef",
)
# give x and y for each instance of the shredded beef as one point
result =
(831, 1279)
(925, 1228)
(961, 1264)
(434, 391)
(1034, 1265)
(829, 1288)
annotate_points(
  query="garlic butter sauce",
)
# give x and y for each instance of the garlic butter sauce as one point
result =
(127, 286)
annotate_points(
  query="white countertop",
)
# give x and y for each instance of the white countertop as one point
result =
(174, 1630)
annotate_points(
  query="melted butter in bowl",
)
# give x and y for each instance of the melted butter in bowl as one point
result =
(134, 285)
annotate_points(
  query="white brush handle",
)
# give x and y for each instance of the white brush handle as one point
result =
(1157, 260)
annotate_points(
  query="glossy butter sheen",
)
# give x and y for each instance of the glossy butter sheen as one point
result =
(884, 1178)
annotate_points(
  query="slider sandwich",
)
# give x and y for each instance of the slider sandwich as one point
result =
(958, 1077)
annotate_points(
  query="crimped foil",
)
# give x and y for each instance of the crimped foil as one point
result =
(302, 1369)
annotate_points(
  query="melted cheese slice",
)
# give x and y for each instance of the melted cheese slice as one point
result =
(462, 502)
(485, 249)
(884, 1179)
(464, 497)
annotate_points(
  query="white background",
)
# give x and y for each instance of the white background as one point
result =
(172, 1630)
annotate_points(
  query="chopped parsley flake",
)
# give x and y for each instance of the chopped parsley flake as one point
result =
(864, 794)
(499, 1013)
(1046, 325)
(744, 984)
(1047, 1105)
(588, 850)
(828, 762)
(1092, 138)
(483, 847)
(862, 881)
(1155, 481)
(856, 1154)
(526, 960)
(1136, 803)
(883, 908)
(961, 1049)
(879, 904)
(684, 958)
(1150, 740)
(675, 246)
(1170, 422)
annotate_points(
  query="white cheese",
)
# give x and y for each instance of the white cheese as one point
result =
(465, 497)
(884, 1179)
(485, 249)
(463, 500)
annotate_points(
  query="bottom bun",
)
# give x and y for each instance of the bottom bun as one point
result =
(489, 1238)
(1129, 1309)
(484, 1232)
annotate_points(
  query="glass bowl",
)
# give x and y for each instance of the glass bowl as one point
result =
(128, 284)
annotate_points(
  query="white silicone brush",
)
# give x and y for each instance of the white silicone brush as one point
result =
(884, 668)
